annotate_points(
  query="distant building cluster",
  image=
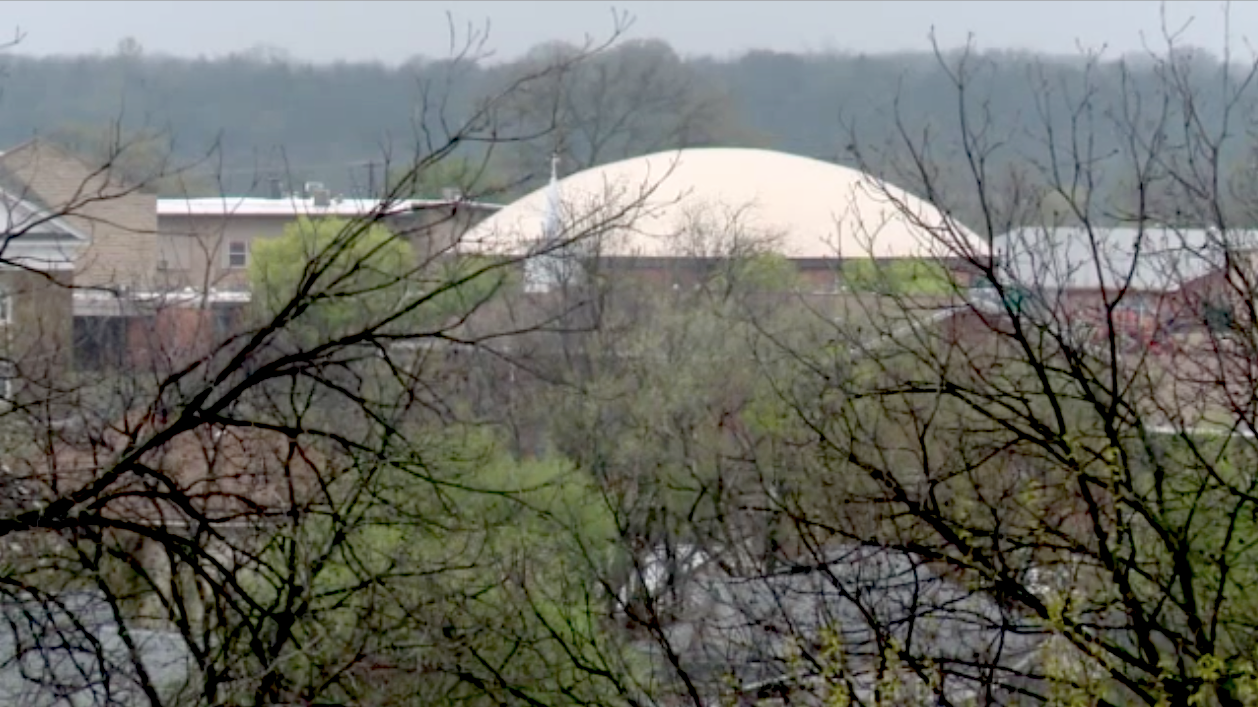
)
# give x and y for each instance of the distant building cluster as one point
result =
(163, 277)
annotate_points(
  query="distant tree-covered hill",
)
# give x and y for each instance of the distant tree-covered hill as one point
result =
(265, 117)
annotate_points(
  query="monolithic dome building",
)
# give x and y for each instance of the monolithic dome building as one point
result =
(670, 214)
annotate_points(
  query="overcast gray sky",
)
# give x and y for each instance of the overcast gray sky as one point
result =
(394, 31)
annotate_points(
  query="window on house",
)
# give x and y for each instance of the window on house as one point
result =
(1135, 304)
(1219, 315)
(237, 254)
(8, 376)
(8, 371)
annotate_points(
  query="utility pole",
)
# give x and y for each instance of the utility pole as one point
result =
(371, 191)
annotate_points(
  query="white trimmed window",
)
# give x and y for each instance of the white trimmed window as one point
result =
(237, 254)
(6, 307)
(8, 375)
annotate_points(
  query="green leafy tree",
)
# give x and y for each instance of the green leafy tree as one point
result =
(363, 273)
(759, 273)
(495, 555)
(897, 277)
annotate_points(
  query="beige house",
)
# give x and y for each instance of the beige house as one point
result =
(38, 251)
(206, 244)
(119, 220)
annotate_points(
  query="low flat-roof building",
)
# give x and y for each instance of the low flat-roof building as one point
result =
(207, 242)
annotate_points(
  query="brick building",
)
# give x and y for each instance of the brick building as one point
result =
(119, 219)
(1157, 281)
(210, 240)
(38, 255)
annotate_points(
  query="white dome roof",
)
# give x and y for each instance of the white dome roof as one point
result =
(707, 202)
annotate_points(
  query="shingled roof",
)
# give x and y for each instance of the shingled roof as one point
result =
(67, 649)
(746, 627)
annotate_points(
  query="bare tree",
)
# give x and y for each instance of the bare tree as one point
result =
(637, 99)
(1035, 487)
(303, 511)
(1073, 444)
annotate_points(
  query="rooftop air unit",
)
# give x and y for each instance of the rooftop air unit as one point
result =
(320, 194)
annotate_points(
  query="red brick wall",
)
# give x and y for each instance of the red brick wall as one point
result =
(173, 337)
(819, 276)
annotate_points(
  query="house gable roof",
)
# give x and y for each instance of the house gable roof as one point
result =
(11, 181)
(46, 146)
(68, 649)
(36, 238)
(744, 626)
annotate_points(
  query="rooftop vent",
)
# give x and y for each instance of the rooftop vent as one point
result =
(321, 197)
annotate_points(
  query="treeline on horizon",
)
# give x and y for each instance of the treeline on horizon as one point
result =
(260, 115)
